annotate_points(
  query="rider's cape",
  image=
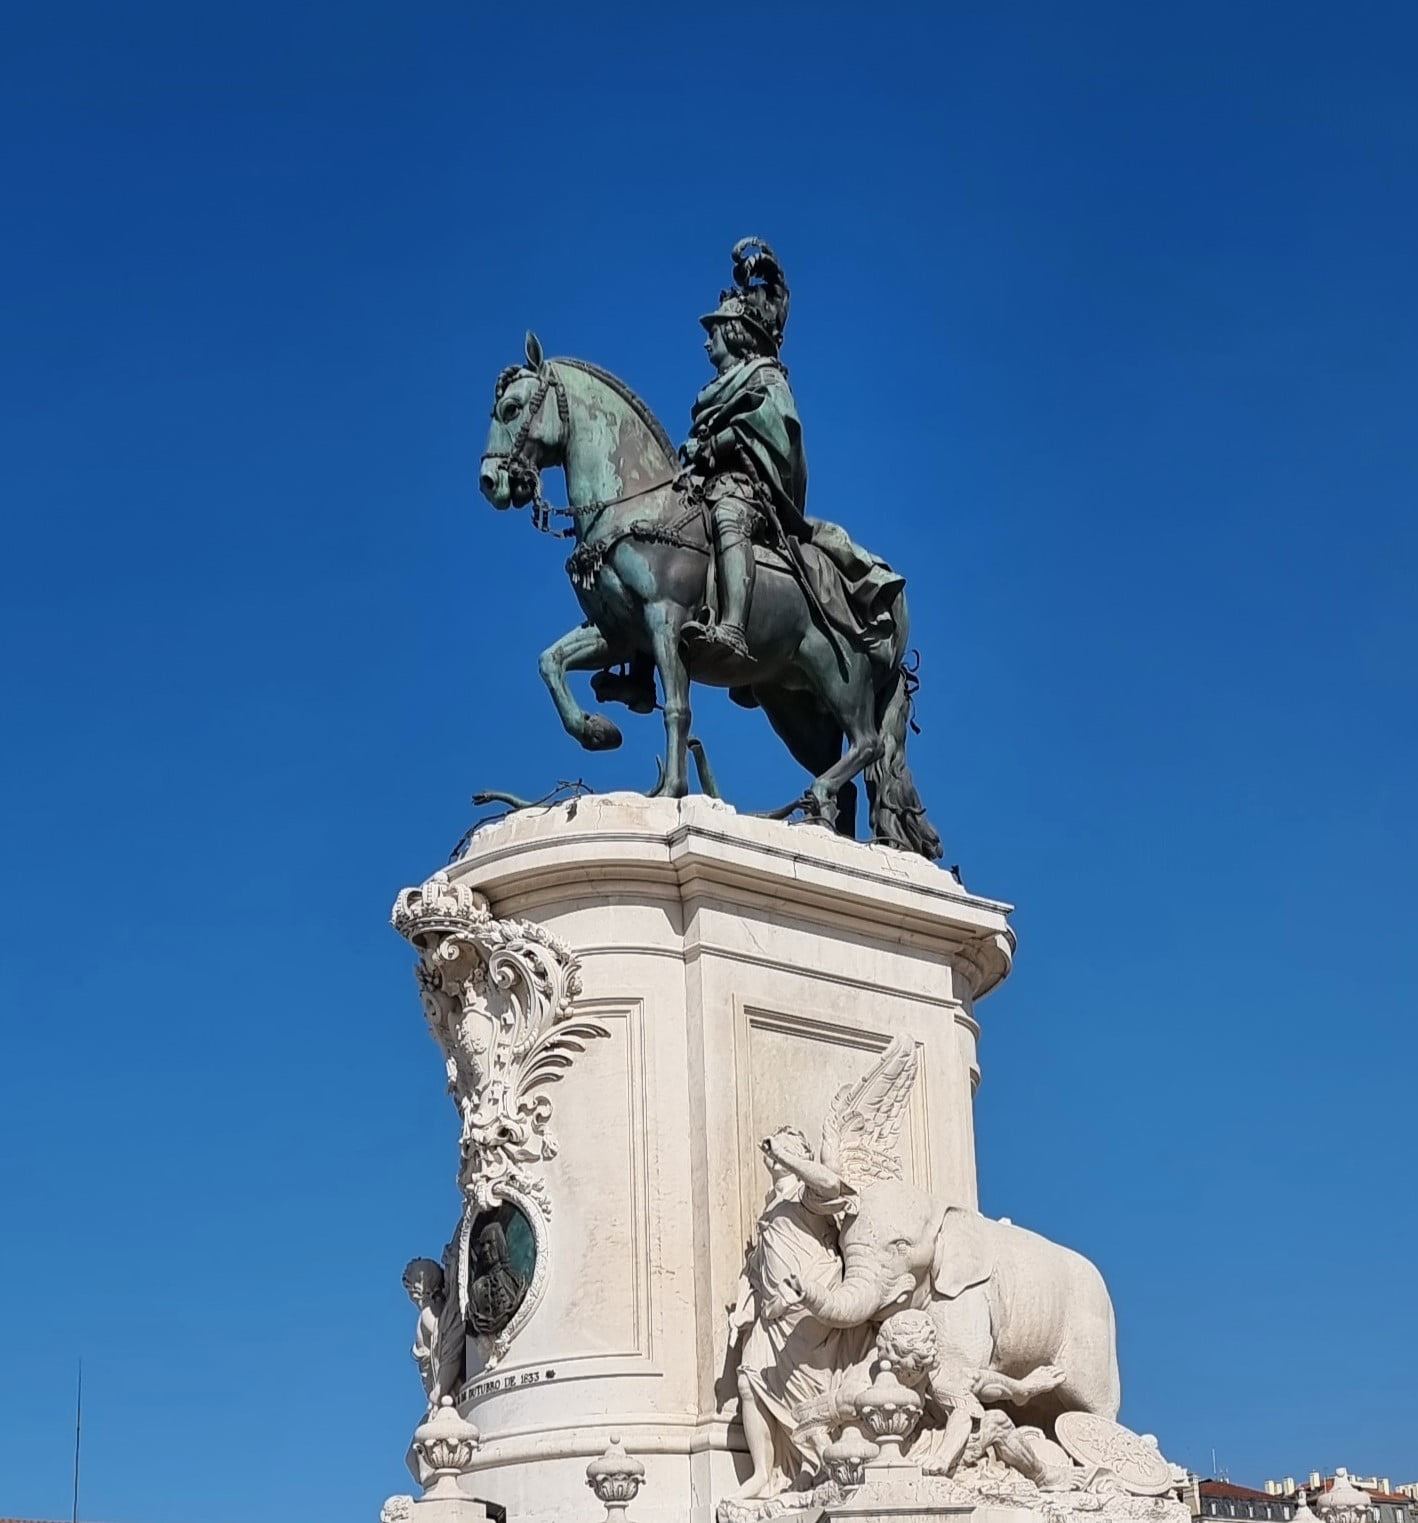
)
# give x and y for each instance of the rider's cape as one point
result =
(753, 405)
(858, 591)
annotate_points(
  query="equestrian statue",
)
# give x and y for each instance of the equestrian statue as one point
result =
(701, 564)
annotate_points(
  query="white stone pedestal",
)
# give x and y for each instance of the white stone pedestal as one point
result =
(744, 969)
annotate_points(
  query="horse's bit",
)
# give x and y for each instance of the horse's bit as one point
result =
(521, 473)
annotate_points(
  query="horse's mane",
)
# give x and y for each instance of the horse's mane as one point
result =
(640, 408)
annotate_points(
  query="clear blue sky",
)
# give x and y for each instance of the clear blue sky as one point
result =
(1135, 285)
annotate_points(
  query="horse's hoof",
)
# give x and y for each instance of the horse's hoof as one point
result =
(818, 811)
(600, 734)
(800, 805)
(664, 788)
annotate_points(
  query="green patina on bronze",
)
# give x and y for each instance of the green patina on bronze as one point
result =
(703, 566)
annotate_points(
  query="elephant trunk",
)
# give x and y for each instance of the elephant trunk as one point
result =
(850, 1304)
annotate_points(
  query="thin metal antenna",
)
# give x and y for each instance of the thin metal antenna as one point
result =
(78, 1433)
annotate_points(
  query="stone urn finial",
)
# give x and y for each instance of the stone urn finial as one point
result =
(889, 1411)
(615, 1477)
(1304, 1513)
(847, 1457)
(446, 1443)
(1343, 1501)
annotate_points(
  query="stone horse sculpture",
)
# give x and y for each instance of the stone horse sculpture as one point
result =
(1034, 1314)
(641, 568)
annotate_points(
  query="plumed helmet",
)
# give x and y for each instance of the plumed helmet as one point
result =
(758, 298)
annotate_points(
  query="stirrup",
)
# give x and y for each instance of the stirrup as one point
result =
(725, 637)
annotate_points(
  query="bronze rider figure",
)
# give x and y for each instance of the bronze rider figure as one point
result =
(745, 446)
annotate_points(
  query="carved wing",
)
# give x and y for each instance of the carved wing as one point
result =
(863, 1125)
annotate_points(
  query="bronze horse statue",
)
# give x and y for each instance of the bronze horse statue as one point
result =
(641, 571)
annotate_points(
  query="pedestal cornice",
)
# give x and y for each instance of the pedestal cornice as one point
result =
(698, 848)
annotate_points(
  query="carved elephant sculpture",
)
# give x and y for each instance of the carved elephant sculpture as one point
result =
(1001, 1297)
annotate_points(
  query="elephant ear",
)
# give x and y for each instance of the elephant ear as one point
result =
(863, 1125)
(964, 1254)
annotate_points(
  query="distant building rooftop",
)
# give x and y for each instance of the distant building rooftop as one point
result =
(1280, 1500)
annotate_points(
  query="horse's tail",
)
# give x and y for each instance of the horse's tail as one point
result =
(898, 817)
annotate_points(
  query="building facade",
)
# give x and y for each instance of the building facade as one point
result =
(1224, 1499)
(1387, 1503)
(1282, 1499)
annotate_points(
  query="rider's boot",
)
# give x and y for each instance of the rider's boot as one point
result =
(737, 574)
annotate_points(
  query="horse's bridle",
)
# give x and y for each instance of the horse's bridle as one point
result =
(522, 473)
(518, 465)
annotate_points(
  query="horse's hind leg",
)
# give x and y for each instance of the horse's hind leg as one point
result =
(814, 738)
(665, 621)
(580, 650)
(852, 703)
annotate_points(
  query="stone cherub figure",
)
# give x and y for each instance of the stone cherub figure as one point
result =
(958, 1427)
(788, 1361)
(439, 1347)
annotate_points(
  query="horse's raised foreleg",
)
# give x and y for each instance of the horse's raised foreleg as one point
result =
(580, 650)
(665, 621)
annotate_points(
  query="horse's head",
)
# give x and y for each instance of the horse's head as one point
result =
(526, 432)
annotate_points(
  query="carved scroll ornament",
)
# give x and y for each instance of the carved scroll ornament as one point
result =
(499, 998)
